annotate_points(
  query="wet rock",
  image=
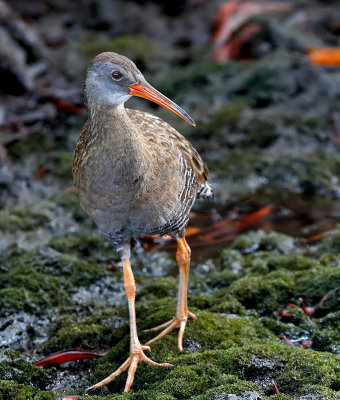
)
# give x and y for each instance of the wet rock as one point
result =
(13, 66)
(17, 370)
(20, 46)
(331, 244)
(12, 390)
(23, 331)
(246, 396)
(260, 241)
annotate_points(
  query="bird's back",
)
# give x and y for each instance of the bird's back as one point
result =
(164, 136)
(165, 142)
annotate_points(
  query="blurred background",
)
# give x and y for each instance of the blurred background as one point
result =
(261, 79)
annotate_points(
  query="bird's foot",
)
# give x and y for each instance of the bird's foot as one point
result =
(175, 322)
(136, 356)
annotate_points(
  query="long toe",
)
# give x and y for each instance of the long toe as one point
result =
(131, 363)
(111, 377)
(159, 327)
(169, 326)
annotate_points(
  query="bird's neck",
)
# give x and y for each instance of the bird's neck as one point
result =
(108, 120)
(120, 141)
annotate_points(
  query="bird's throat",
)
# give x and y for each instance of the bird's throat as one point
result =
(122, 147)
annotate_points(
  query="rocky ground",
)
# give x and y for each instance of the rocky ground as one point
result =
(269, 129)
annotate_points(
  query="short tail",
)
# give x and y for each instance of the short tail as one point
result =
(205, 191)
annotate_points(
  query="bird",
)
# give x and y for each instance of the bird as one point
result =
(135, 176)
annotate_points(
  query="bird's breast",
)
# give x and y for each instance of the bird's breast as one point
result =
(126, 182)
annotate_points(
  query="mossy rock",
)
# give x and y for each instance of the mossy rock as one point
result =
(195, 374)
(14, 300)
(327, 340)
(12, 368)
(15, 391)
(278, 288)
(18, 219)
(331, 244)
(89, 246)
(261, 241)
(95, 334)
(34, 281)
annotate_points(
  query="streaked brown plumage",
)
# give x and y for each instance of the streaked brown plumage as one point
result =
(136, 175)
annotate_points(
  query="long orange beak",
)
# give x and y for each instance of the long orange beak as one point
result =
(143, 89)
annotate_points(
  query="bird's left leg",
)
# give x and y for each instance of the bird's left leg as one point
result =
(182, 314)
(136, 349)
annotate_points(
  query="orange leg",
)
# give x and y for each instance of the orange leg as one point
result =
(136, 349)
(182, 313)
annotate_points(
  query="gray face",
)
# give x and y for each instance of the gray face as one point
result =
(108, 78)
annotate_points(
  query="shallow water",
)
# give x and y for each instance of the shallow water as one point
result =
(308, 219)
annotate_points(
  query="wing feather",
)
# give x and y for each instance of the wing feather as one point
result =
(158, 131)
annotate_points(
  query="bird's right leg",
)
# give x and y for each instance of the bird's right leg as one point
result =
(182, 313)
(136, 349)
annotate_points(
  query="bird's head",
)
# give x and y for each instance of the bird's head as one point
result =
(112, 79)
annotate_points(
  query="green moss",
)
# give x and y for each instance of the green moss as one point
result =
(319, 392)
(293, 367)
(327, 340)
(219, 302)
(220, 279)
(35, 281)
(186, 382)
(69, 202)
(209, 331)
(48, 263)
(231, 259)
(331, 244)
(261, 241)
(13, 300)
(10, 390)
(232, 385)
(14, 369)
(264, 294)
(88, 246)
(227, 116)
(61, 163)
(97, 334)
(159, 288)
(331, 320)
(22, 219)
(234, 370)
(272, 281)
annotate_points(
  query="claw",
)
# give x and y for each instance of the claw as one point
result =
(192, 315)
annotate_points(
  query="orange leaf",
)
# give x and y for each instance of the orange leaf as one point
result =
(41, 172)
(70, 190)
(319, 236)
(324, 56)
(233, 15)
(192, 230)
(231, 50)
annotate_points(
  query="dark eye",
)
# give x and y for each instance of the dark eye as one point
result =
(116, 75)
